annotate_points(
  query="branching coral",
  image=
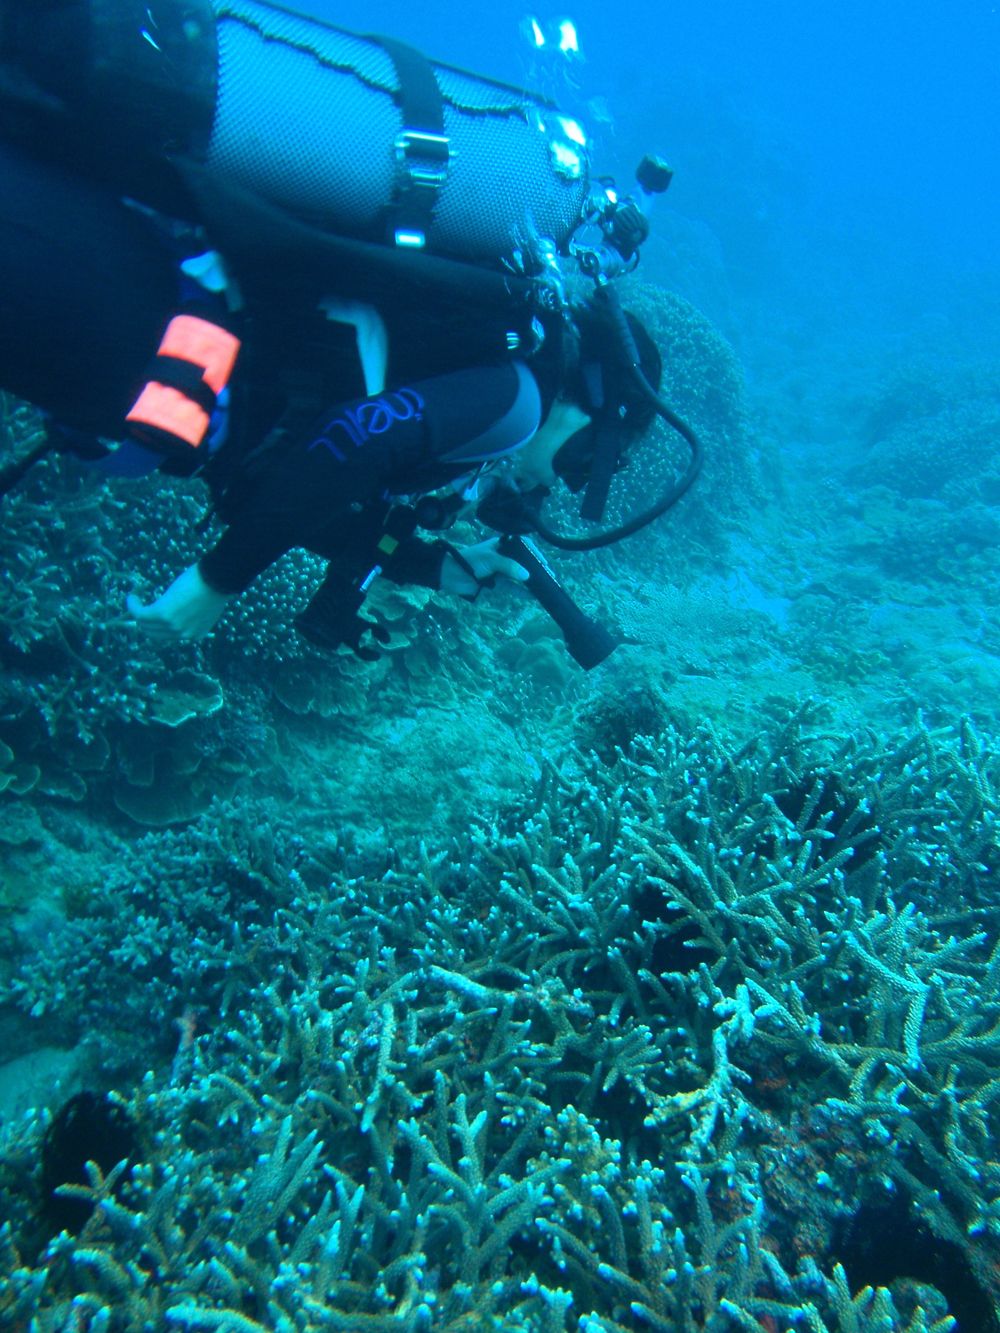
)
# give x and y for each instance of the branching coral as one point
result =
(625, 1061)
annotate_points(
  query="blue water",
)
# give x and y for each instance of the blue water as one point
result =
(706, 981)
(889, 111)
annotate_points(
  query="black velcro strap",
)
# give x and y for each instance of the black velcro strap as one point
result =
(185, 377)
(422, 149)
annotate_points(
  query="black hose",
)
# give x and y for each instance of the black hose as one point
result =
(630, 359)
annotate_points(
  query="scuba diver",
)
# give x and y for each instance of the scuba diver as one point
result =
(344, 489)
(137, 140)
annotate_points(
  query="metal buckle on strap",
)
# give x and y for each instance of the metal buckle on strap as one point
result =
(424, 157)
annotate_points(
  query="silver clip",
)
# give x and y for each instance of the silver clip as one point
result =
(424, 157)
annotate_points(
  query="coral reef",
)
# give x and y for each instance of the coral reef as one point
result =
(930, 433)
(632, 1057)
(87, 709)
(404, 1025)
(92, 715)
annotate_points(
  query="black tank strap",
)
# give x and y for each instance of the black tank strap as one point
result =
(422, 147)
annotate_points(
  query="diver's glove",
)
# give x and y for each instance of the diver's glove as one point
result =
(466, 570)
(332, 619)
(187, 610)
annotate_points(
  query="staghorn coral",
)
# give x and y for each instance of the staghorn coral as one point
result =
(587, 1030)
(555, 1076)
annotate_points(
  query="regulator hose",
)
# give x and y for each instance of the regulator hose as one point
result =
(609, 299)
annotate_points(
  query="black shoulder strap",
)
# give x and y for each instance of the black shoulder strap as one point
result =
(422, 147)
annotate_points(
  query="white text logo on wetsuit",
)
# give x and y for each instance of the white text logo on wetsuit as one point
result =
(375, 416)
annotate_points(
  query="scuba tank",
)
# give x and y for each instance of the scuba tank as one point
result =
(322, 161)
(358, 136)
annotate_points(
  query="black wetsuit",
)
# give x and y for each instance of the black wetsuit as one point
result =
(87, 286)
(330, 489)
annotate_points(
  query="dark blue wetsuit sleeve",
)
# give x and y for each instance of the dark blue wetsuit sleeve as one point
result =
(405, 441)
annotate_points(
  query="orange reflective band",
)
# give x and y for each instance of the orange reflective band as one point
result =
(206, 345)
(171, 411)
